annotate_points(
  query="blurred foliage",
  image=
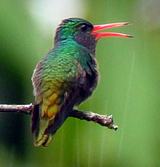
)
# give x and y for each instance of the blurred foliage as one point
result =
(129, 88)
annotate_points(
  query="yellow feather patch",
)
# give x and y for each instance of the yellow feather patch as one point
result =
(52, 110)
(44, 110)
(50, 100)
(48, 92)
(53, 97)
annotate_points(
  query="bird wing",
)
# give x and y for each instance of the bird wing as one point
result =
(86, 82)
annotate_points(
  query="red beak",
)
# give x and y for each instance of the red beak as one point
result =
(109, 34)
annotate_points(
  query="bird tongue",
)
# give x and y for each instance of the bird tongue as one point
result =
(108, 34)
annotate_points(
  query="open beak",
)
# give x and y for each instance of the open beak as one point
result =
(109, 34)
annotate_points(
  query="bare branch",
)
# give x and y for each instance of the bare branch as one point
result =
(103, 120)
(26, 109)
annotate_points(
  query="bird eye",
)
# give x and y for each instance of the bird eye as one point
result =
(83, 28)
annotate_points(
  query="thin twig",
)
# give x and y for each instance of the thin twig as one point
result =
(103, 120)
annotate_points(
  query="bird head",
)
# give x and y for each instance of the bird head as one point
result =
(84, 33)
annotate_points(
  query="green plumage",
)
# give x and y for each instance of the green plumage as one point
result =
(64, 78)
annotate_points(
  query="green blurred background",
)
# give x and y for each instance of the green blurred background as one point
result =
(129, 88)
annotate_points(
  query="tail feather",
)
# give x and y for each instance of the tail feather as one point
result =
(48, 140)
(34, 119)
(39, 126)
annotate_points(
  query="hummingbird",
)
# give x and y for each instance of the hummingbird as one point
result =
(66, 76)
